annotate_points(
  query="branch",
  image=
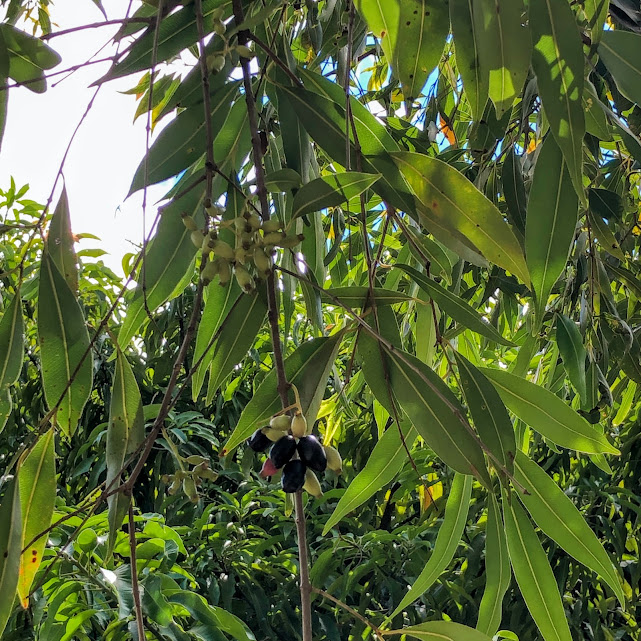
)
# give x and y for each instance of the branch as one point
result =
(96, 25)
(140, 625)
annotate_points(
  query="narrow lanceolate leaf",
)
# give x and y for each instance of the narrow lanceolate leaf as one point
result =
(559, 518)
(37, 475)
(236, 337)
(435, 412)
(11, 342)
(6, 405)
(548, 414)
(558, 62)
(64, 347)
(384, 463)
(447, 199)
(10, 549)
(514, 190)
(497, 571)
(490, 417)
(570, 342)
(125, 433)
(605, 206)
(183, 141)
(465, 24)
(168, 258)
(308, 368)
(60, 241)
(440, 631)
(218, 304)
(551, 220)
(534, 574)
(449, 536)
(455, 307)
(619, 50)
(412, 34)
(361, 296)
(330, 191)
(504, 49)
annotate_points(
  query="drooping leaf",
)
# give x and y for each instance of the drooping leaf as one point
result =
(67, 371)
(548, 414)
(219, 301)
(183, 141)
(29, 57)
(283, 180)
(455, 307)
(60, 242)
(605, 206)
(551, 220)
(559, 518)
(11, 342)
(488, 412)
(236, 337)
(125, 433)
(384, 463)
(412, 34)
(37, 474)
(596, 122)
(497, 571)
(308, 368)
(558, 63)
(10, 549)
(465, 24)
(356, 296)
(504, 49)
(445, 198)
(514, 190)
(619, 50)
(330, 191)
(570, 342)
(534, 574)
(440, 631)
(448, 539)
(6, 405)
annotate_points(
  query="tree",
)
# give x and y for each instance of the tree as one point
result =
(421, 248)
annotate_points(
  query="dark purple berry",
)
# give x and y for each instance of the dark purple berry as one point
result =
(311, 452)
(282, 450)
(293, 477)
(258, 441)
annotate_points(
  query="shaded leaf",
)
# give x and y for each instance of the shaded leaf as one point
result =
(60, 242)
(6, 405)
(359, 296)
(11, 342)
(441, 631)
(570, 342)
(514, 190)
(605, 206)
(10, 549)
(619, 50)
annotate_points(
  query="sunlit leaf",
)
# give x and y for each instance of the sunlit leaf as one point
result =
(440, 631)
(60, 242)
(11, 342)
(570, 342)
(10, 549)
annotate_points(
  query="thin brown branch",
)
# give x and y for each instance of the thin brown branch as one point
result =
(96, 25)
(140, 625)
(272, 54)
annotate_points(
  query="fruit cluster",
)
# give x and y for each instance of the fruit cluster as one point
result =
(299, 455)
(190, 480)
(256, 243)
(216, 61)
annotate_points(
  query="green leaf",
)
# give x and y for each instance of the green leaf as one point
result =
(283, 180)
(330, 191)
(559, 518)
(29, 57)
(169, 256)
(606, 205)
(448, 539)
(504, 49)
(558, 63)
(11, 342)
(548, 414)
(627, 278)
(551, 219)
(384, 463)
(497, 571)
(236, 337)
(217, 305)
(619, 51)
(455, 307)
(435, 413)
(125, 433)
(596, 122)
(37, 474)
(10, 549)
(570, 342)
(60, 241)
(6, 405)
(308, 368)
(64, 347)
(514, 190)
(465, 25)
(412, 34)
(490, 417)
(445, 198)
(183, 141)
(356, 296)
(534, 574)
(440, 631)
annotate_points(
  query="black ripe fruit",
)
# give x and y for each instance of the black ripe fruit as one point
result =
(259, 442)
(282, 450)
(293, 477)
(311, 452)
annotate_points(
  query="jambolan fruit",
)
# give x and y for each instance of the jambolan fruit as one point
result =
(268, 469)
(311, 452)
(258, 441)
(282, 450)
(293, 477)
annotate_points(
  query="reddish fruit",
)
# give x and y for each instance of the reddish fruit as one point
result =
(268, 469)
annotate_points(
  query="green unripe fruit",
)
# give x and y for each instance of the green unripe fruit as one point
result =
(217, 13)
(197, 237)
(224, 273)
(219, 27)
(253, 220)
(189, 488)
(274, 238)
(210, 271)
(271, 225)
(215, 63)
(281, 422)
(244, 279)
(312, 484)
(272, 434)
(290, 241)
(214, 210)
(240, 255)
(222, 249)
(262, 261)
(244, 51)
(189, 223)
(87, 540)
(334, 460)
(195, 459)
(174, 487)
(299, 426)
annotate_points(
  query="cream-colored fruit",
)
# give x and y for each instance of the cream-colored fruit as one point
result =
(334, 460)
(222, 249)
(281, 423)
(299, 426)
(312, 484)
(244, 279)
(190, 223)
(197, 237)
(273, 434)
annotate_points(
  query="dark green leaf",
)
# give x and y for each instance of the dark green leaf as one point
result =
(619, 50)
(11, 342)
(60, 242)
(10, 549)
(441, 631)
(359, 296)
(570, 342)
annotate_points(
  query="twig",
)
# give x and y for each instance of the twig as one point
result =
(140, 625)
(272, 54)
(95, 25)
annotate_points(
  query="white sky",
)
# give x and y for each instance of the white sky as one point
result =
(107, 149)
